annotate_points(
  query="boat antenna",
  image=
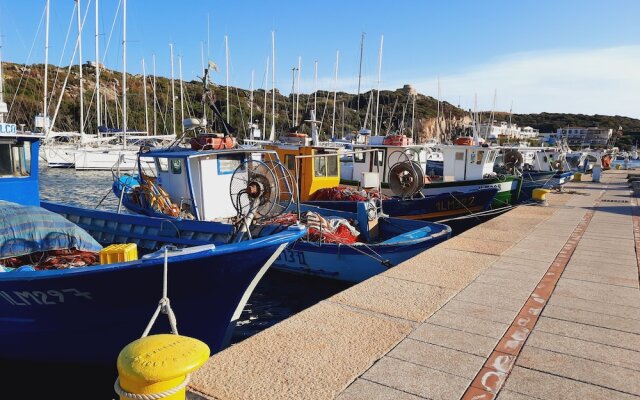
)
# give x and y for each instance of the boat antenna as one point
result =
(360, 76)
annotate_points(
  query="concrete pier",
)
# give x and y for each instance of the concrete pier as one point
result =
(538, 303)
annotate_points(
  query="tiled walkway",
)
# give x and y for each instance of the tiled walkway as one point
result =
(540, 302)
(556, 316)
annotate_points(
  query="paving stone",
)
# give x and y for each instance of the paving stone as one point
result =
(526, 262)
(520, 268)
(541, 385)
(498, 296)
(481, 246)
(479, 311)
(509, 395)
(597, 373)
(395, 297)
(524, 276)
(613, 270)
(416, 379)
(467, 323)
(313, 354)
(455, 339)
(580, 348)
(601, 278)
(615, 295)
(362, 389)
(437, 357)
(594, 306)
(525, 285)
(442, 267)
(528, 254)
(592, 318)
(590, 333)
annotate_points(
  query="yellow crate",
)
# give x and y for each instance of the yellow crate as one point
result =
(116, 253)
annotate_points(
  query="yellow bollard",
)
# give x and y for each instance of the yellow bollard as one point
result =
(618, 166)
(540, 194)
(577, 177)
(159, 365)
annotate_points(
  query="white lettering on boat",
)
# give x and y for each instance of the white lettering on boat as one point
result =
(42, 298)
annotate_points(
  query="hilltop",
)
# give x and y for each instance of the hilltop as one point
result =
(396, 106)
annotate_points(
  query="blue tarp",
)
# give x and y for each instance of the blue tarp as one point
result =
(29, 229)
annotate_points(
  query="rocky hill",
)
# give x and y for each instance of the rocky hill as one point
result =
(24, 90)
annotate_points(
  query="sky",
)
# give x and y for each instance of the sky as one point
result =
(576, 56)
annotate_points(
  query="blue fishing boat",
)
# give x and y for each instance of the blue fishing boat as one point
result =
(187, 179)
(82, 312)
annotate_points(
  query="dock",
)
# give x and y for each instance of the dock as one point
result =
(541, 302)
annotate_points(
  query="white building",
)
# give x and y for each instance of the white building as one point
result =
(581, 136)
(504, 130)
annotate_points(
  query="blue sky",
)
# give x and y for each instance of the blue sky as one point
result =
(556, 56)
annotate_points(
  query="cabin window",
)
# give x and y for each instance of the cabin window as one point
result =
(480, 157)
(459, 156)
(15, 159)
(290, 160)
(162, 163)
(176, 166)
(379, 158)
(359, 157)
(332, 165)
(320, 166)
(228, 163)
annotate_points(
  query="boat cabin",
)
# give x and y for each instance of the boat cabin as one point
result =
(319, 169)
(198, 182)
(19, 165)
(381, 160)
(465, 163)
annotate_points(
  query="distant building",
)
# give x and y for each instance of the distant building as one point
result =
(581, 136)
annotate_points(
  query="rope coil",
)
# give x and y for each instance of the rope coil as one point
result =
(150, 396)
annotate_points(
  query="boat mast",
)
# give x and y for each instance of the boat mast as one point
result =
(335, 94)
(3, 106)
(155, 126)
(272, 136)
(181, 93)
(124, 73)
(98, 104)
(202, 66)
(264, 109)
(144, 93)
(293, 96)
(413, 118)
(360, 75)
(315, 87)
(379, 75)
(295, 122)
(46, 73)
(251, 105)
(173, 93)
(80, 66)
(438, 135)
(226, 52)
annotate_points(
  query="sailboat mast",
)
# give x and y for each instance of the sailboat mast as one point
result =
(97, 44)
(335, 94)
(295, 122)
(360, 75)
(438, 135)
(181, 93)
(124, 73)
(155, 125)
(80, 66)
(173, 93)
(251, 105)
(379, 76)
(315, 87)
(202, 65)
(144, 93)
(273, 86)
(46, 73)
(413, 119)
(264, 109)
(226, 52)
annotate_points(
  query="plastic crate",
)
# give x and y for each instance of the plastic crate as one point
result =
(116, 253)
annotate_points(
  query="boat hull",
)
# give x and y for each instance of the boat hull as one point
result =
(87, 315)
(355, 263)
(432, 208)
(107, 159)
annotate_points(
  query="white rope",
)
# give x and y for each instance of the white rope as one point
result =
(150, 396)
(164, 305)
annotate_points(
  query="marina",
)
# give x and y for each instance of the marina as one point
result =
(167, 233)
